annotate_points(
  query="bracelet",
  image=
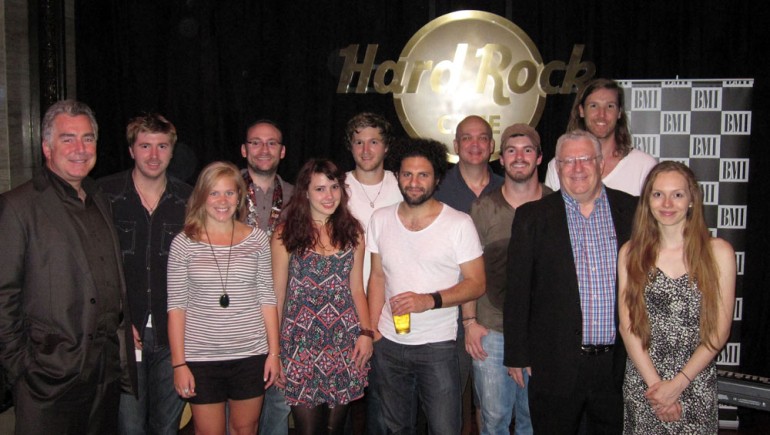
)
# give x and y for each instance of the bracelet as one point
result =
(272, 354)
(367, 332)
(469, 318)
(467, 323)
(437, 301)
(179, 365)
(685, 375)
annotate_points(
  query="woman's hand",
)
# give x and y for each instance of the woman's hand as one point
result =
(664, 394)
(363, 351)
(670, 413)
(184, 382)
(272, 370)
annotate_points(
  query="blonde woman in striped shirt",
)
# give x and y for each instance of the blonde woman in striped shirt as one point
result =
(223, 323)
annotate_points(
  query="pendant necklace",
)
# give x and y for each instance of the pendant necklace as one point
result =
(224, 300)
(150, 208)
(371, 201)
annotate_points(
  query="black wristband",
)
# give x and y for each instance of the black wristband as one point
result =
(437, 301)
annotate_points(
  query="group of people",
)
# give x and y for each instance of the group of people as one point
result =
(571, 304)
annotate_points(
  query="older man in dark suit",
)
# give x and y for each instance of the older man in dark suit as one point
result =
(65, 336)
(560, 316)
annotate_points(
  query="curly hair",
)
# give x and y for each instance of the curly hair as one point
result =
(622, 133)
(368, 119)
(299, 234)
(195, 216)
(433, 151)
(643, 250)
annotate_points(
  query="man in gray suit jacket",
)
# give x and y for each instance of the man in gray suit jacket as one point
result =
(560, 316)
(65, 335)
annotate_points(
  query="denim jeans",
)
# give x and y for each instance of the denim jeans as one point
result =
(274, 419)
(159, 407)
(428, 371)
(375, 422)
(497, 393)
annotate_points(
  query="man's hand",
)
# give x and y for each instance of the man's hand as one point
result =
(517, 373)
(137, 338)
(473, 334)
(410, 302)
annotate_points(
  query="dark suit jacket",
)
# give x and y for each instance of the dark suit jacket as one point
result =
(542, 316)
(47, 316)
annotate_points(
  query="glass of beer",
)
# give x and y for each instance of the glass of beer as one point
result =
(402, 323)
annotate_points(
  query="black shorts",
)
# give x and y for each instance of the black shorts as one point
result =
(237, 379)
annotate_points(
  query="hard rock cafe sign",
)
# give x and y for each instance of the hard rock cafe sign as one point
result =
(464, 63)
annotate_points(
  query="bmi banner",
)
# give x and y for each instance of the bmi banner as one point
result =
(705, 124)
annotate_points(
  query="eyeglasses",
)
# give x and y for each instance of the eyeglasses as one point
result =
(257, 143)
(570, 161)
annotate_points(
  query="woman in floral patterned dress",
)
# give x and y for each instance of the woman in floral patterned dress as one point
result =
(326, 338)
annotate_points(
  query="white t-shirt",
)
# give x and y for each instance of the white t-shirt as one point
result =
(422, 261)
(628, 176)
(362, 197)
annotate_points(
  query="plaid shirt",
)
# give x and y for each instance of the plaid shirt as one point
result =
(595, 250)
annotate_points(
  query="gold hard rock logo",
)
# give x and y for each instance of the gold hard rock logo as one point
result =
(464, 63)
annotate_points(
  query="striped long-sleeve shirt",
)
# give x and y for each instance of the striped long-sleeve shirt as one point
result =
(214, 333)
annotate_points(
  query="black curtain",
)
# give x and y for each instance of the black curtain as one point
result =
(211, 66)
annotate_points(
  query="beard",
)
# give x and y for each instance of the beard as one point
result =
(521, 177)
(428, 194)
(263, 172)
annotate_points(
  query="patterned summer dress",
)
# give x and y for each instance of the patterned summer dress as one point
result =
(673, 306)
(319, 331)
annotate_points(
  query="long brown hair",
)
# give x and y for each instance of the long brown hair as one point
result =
(195, 215)
(622, 133)
(299, 234)
(643, 250)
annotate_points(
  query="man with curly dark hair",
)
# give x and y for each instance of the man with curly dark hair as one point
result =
(426, 260)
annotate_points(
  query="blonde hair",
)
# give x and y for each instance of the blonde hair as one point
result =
(195, 217)
(699, 260)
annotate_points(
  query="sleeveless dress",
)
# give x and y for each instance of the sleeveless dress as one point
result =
(673, 307)
(319, 331)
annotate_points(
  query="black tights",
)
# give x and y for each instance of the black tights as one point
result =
(319, 420)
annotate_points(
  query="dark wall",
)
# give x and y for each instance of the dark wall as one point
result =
(210, 66)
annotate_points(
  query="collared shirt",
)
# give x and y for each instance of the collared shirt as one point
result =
(454, 191)
(96, 239)
(262, 205)
(144, 242)
(595, 251)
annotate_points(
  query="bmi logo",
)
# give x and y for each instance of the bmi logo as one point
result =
(730, 355)
(713, 232)
(734, 170)
(675, 122)
(738, 310)
(731, 217)
(705, 145)
(740, 258)
(710, 191)
(706, 99)
(649, 143)
(736, 122)
(645, 99)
